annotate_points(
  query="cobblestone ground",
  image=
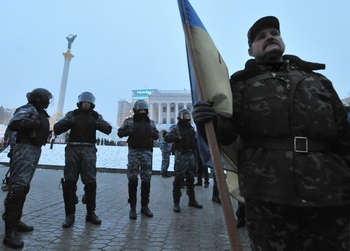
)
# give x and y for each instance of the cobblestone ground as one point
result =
(192, 229)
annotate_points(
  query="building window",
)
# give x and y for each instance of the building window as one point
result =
(164, 120)
(172, 109)
(172, 121)
(164, 109)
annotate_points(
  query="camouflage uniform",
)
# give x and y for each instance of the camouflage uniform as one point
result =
(166, 152)
(295, 156)
(32, 126)
(80, 155)
(141, 132)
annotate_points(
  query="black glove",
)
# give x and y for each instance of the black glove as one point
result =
(203, 112)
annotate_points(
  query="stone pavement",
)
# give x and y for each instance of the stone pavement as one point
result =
(192, 229)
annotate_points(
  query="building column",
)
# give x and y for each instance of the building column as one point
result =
(151, 111)
(159, 113)
(168, 113)
(176, 110)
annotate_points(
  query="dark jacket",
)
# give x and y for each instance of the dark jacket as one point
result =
(82, 125)
(273, 104)
(183, 137)
(140, 130)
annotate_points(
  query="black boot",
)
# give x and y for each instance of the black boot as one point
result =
(199, 183)
(13, 213)
(240, 213)
(215, 197)
(145, 191)
(90, 193)
(68, 222)
(192, 198)
(12, 239)
(132, 187)
(93, 218)
(165, 174)
(177, 208)
(69, 196)
(177, 193)
(22, 227)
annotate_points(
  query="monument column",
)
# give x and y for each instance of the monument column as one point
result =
(67, 58)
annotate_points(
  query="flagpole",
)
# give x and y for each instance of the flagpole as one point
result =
(215, 153)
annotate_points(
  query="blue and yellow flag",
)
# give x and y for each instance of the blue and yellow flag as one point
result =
(208, 69)
(211, 68)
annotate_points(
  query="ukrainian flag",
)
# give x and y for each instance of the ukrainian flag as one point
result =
(208, 71)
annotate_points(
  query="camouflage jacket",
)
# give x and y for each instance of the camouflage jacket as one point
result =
(31, 124)
(165, 147)
(275, 105)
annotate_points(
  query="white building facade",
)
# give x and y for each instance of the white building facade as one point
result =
(164, 105)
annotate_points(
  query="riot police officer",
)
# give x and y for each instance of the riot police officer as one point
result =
(31, 123)
(80, 155)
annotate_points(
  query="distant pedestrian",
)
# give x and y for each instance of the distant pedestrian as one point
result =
(183, 136)
(80, 155)
(165, 148)
(31, 123)
(141, 132)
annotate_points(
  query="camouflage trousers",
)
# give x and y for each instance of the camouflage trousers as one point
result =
(276, 227)
(185, 164)
(165, 161)
(139, 161)
(80, 159)
(25, 158)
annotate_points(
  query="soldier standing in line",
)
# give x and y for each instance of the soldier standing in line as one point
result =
(141, 132)
(183, 136)
(80, 155)
(165, 148)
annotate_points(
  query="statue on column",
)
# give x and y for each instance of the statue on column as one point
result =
(70, 39)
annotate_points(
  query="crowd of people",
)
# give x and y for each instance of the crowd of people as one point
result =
(293, 158)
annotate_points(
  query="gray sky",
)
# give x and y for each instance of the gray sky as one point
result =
(138, 44)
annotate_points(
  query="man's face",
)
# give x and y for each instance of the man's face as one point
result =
(85, 105)
(268, 46)
(142, 111)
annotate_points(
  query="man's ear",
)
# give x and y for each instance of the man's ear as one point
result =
(250, 52)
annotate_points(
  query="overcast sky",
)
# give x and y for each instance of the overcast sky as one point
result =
(123, 45)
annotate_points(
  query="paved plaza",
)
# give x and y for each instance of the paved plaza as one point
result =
(192, 229)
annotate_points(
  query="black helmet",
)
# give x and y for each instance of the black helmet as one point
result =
(184, 114)
(86, 97)
(140, 105)
(39, 96)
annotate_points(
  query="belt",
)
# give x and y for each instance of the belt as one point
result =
(297, 144)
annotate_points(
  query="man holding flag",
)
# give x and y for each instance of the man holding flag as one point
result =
(294, 161)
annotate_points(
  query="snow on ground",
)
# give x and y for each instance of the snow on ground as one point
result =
(107, 157)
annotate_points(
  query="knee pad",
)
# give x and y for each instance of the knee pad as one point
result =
(15, 196)
(90, 187)
(70, 185)
(133, 183)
